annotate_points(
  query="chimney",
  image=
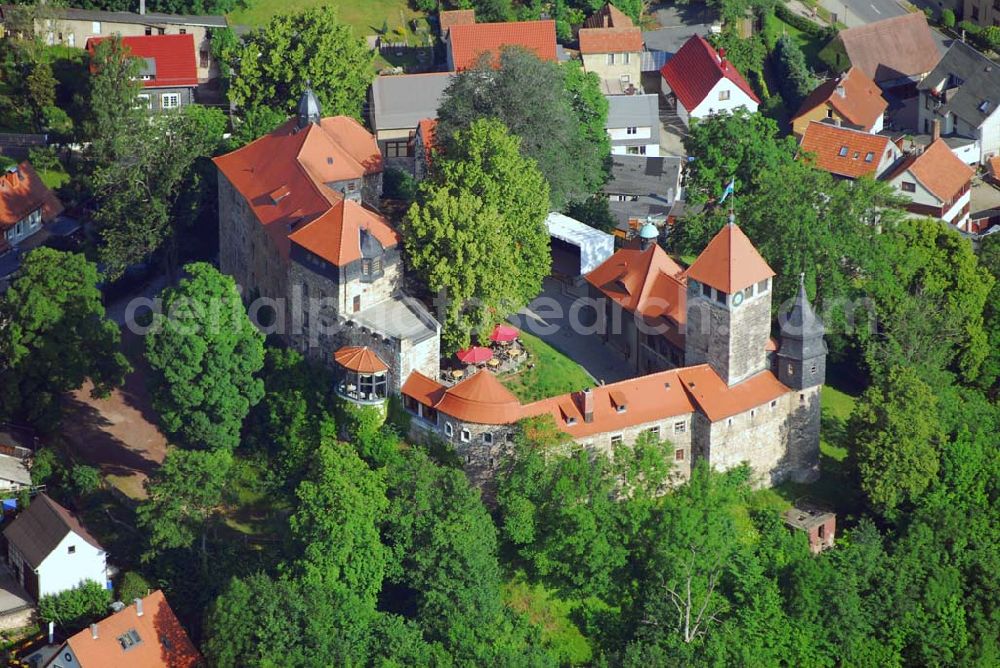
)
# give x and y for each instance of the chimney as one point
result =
(142, 7)
(93, 631)
(52, 633)
(138, 607)
(588, 405)
(935, 130)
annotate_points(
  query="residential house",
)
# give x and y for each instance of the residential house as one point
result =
(143, 634)
(70, 26)
(611, 47)
(298, 227)
(396, 105)
(633, 124)
(724, 404)
(27, 206)
(167, 71)
(701, 82)
(937, 184)
(851, 98)
(642, 190)
(454, 17)
(895, 53)
(49, 550)
(847, 153)
(468, 42)
(983, 13)
(963, 93)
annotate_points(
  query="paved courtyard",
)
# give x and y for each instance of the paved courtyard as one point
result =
(550, 317)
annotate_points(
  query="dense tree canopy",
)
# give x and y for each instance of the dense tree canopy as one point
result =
(204, 352)
(557, 111)
(476, 235)
(53, 336)
(275, 62)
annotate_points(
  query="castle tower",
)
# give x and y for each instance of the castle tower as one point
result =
(802, 355)
(309, 110)
(729, 307)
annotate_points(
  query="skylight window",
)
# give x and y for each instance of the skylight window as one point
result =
(129, 639)
(984, 106)
(843, 151)
(869, 157)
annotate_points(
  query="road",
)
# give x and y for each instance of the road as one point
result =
(859, 12)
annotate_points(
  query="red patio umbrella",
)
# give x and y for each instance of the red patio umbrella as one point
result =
(474, 355)
(504, 334)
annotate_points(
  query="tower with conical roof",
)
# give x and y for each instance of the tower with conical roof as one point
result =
(309, 110)
(802, 354)
(729, 307)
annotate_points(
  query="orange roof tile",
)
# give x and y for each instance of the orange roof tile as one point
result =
(647, 282)
(609, 16)
(729, 262)
(481, 399)
(162, 641)
(361, 359)
(853, 96)
(468, 42)
(336, 235)
(300, 162)
(993, 167)
(843, 151)
(423, 389)
(455, 17)
(608, 40)
(427, 128)
(938, 169)
(21, 192)
(718, 401)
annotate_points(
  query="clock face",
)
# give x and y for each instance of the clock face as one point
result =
(737, 299)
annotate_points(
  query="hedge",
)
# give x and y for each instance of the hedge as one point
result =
(782, 11)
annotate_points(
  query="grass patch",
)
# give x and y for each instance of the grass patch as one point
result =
(367, 17)
(53, 178)
(810, 44)
(552, 615)
(553, 373)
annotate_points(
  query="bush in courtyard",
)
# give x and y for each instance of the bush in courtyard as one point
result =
(947, 18)
(76, 608)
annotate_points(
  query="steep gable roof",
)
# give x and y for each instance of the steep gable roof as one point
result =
(938, 169)
(729, 262)
(170, 58)
(41, 526)
(647, 282)
(610, 40)
(967, 84)
(336, 236)
(901, 46)
(21, 192)
(844, 151)
(853, 95)
(696, 68)
(468, 42)
(283, 177)
(162, 642)
(608, 16)
(400, 101)
(719, 401)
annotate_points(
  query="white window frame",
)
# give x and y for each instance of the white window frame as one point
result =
(449, 431)
(487, 438)
(465, 436)
(144, 101)
(611, 59)
(163, 100)
(724, 95)
(680, 426)
(95, 27)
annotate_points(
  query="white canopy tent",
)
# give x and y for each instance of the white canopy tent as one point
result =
(594, 246)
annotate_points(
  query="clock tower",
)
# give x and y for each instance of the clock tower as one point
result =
(729, 307)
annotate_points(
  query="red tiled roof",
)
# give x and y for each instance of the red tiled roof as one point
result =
(647, 282)
(993, 167)
(719, 401)
(361, 359)
(427, 128)
(938, 169)
(162, 641)
(21, 192)
(336, 235)
(610, 40)
(608, 16)
(173, 55)
(423, 389)
(481, 399)
(455, 17)
(468, 42)
(695, 69)
(297, 164)
(729, 262)
(853, 95)
(827, 142)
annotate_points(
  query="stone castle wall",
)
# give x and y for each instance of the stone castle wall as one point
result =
(750, 328)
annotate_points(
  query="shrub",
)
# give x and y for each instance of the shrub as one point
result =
(399, 184)
(947, 18)
(133, 586)
(46, 464)
(84, 479)
(802, 23)
(74, 609)
(796, 81)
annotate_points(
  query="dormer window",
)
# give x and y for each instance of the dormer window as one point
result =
(570, 421)
(619, 402)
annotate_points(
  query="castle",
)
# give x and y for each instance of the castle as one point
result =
(298, 226)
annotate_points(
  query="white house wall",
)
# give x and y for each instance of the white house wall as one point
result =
(713, 105)
(61, 570)
(952, 215)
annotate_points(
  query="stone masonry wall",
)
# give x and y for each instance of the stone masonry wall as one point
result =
(750, 328)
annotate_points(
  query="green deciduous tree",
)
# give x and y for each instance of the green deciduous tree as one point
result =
(477, 236)
(75, 608)
(274, 63)
(898, 435)
(53, 336)
(184, 494)
(204, 352)
(557, 111)
(340, 504)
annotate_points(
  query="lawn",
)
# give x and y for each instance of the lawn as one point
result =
(553, 373)
(810, 45)
(53, 178)
(365, 16)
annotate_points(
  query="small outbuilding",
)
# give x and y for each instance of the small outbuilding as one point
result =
(819, 525)
(577, 248)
